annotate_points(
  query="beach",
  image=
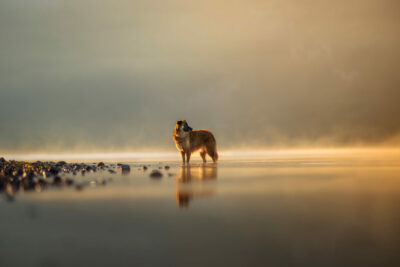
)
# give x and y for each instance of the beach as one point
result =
(300, 208)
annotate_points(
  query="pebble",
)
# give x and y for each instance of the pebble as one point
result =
(100, 164)
(125, 167)
(156, 174)
(36, 176)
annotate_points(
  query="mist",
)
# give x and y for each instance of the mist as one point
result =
(117, 75)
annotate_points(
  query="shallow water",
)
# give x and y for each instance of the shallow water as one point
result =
(285, 209)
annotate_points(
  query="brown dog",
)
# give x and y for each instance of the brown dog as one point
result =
(188, 141)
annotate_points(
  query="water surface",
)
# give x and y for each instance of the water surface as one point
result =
(284, 209)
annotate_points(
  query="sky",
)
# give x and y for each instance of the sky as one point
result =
(99, 75)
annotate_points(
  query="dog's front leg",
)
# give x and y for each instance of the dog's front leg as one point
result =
(183, 157)
(187, 157)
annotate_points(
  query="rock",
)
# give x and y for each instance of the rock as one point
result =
(145, 168)
(112, 171)
(100, 164)
(54, 170)
(156, 174)
(166, 167)
(125, 167)
(34, 176)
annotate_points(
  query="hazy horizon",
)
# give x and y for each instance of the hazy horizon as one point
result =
(101, 76)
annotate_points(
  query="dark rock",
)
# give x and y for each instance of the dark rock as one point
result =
(112, 171)
(145, 168)
(156, 174)
(166, 167)
(69, 181)
(54, 170)
(79, 187)
(125, 167)
(100, 164)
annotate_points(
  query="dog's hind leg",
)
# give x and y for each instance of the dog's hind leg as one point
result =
(203, 155)
(212, 151)
(187, 157)
(183, 157)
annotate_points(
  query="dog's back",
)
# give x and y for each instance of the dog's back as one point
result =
(204, 139)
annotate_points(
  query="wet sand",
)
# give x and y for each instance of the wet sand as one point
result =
(282, 209)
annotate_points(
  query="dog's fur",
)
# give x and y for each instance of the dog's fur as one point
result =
(188, 141)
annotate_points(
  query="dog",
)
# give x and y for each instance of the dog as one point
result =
(188, 141)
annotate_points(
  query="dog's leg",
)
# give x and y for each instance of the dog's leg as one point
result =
(183, 157)
(212, 151)
(203, 156)
(187, 157)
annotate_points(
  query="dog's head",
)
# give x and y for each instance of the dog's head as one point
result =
(182, 127)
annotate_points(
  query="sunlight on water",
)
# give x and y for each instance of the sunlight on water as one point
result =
(308, 207)
(243, 155)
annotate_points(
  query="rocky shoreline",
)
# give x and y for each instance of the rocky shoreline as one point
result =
(39, 175)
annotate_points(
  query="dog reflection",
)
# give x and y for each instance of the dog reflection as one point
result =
(188, 174)
(184, 192)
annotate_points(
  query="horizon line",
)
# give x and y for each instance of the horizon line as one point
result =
(169, 155)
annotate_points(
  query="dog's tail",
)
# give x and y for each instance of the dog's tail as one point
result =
(215, 158)
(212, 149)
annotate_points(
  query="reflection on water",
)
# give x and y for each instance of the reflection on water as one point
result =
(288, 210)
(187, 174)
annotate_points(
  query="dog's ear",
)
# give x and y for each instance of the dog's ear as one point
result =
(186, 127)
(179, 122)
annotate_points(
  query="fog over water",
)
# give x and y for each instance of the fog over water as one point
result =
(116, 75)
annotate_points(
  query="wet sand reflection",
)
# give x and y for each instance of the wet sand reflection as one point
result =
(185, 190)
